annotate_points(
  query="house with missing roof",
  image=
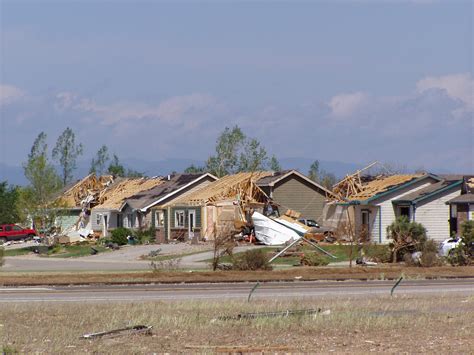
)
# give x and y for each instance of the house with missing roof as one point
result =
(108, 215)
(212, 209)
(422, 198)
(149, 208)
(292, 190)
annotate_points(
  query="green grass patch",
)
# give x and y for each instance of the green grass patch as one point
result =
(19, 251)
(172, 256)
(342, 252)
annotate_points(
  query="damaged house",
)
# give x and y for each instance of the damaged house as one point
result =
(292, 190)
(76, 201)
(218, 206)
(370, 204)
(151, 207)
(108, 214)
(461, 208)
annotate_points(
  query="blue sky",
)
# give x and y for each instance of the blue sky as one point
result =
(351, 81)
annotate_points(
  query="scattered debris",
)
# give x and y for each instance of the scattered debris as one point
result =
(300, 312)
(154, 253)
(134, 330)
(94, 251)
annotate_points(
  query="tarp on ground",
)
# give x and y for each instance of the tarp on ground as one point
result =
(270, 232)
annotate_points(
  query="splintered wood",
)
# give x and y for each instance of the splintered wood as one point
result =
(356, 187)
(240, 186)
(91, 186)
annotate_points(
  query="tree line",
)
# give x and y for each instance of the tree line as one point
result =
(234, 152)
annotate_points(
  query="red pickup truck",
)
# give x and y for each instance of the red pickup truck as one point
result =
(14, 232)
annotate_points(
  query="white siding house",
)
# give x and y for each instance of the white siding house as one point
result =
(429, 207)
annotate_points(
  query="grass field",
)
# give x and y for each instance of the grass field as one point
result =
(341, 252)
(402, 324)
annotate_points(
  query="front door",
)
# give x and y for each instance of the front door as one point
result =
(192, 223)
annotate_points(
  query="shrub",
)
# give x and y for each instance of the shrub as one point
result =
(407, 237)
(314, 259)
(463, 254)
(119, 235)
(256, 259)
(145, 236)
(378, 253)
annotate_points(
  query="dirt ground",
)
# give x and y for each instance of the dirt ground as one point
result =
(402, 324)
(165, 276)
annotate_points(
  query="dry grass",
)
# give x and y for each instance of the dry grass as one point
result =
(413, 324)
(303, 273)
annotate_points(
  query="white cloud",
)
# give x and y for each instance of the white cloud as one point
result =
(187, 110)
(345, 105)
(457, 86)
(10, 94)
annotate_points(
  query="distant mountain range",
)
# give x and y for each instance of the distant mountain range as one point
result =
(14, 174)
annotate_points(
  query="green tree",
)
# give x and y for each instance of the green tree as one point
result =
(313, 172)
(65, 153)
(253, 156)
(43, 181)
(116, 168)
(99, 163)
(321, 176)
(328, 180)
(228, 145)
(9, 196)
(274, 164)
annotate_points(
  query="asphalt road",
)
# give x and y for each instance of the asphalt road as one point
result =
(221, 291)
(127, 258)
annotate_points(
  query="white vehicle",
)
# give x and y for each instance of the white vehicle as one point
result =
(447, 245)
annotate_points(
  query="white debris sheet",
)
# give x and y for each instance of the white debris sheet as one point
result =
(270, 232)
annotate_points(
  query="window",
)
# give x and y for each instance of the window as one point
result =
(8, 228)
(1, 229)
(130, 220)
(119, 220)
(179, 219)
(17, 228)
(405, 211)
(98, 219)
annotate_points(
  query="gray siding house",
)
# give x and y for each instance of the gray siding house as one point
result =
(292, 190)
(152, 206)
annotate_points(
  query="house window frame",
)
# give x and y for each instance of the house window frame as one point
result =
(130, 220)
(182, 214)
(98, 219)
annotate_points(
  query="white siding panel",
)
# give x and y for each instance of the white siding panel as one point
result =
(434, 216)
(387, 212)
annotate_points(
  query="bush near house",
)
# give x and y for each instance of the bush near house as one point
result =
(313, 259)
(251, 260)
(406, 236)
(463, 254)
(119, 235)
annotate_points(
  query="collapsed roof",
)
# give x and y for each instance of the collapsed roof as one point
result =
(240, 186)
(144, 199)
(91, 187)
(114, 197)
